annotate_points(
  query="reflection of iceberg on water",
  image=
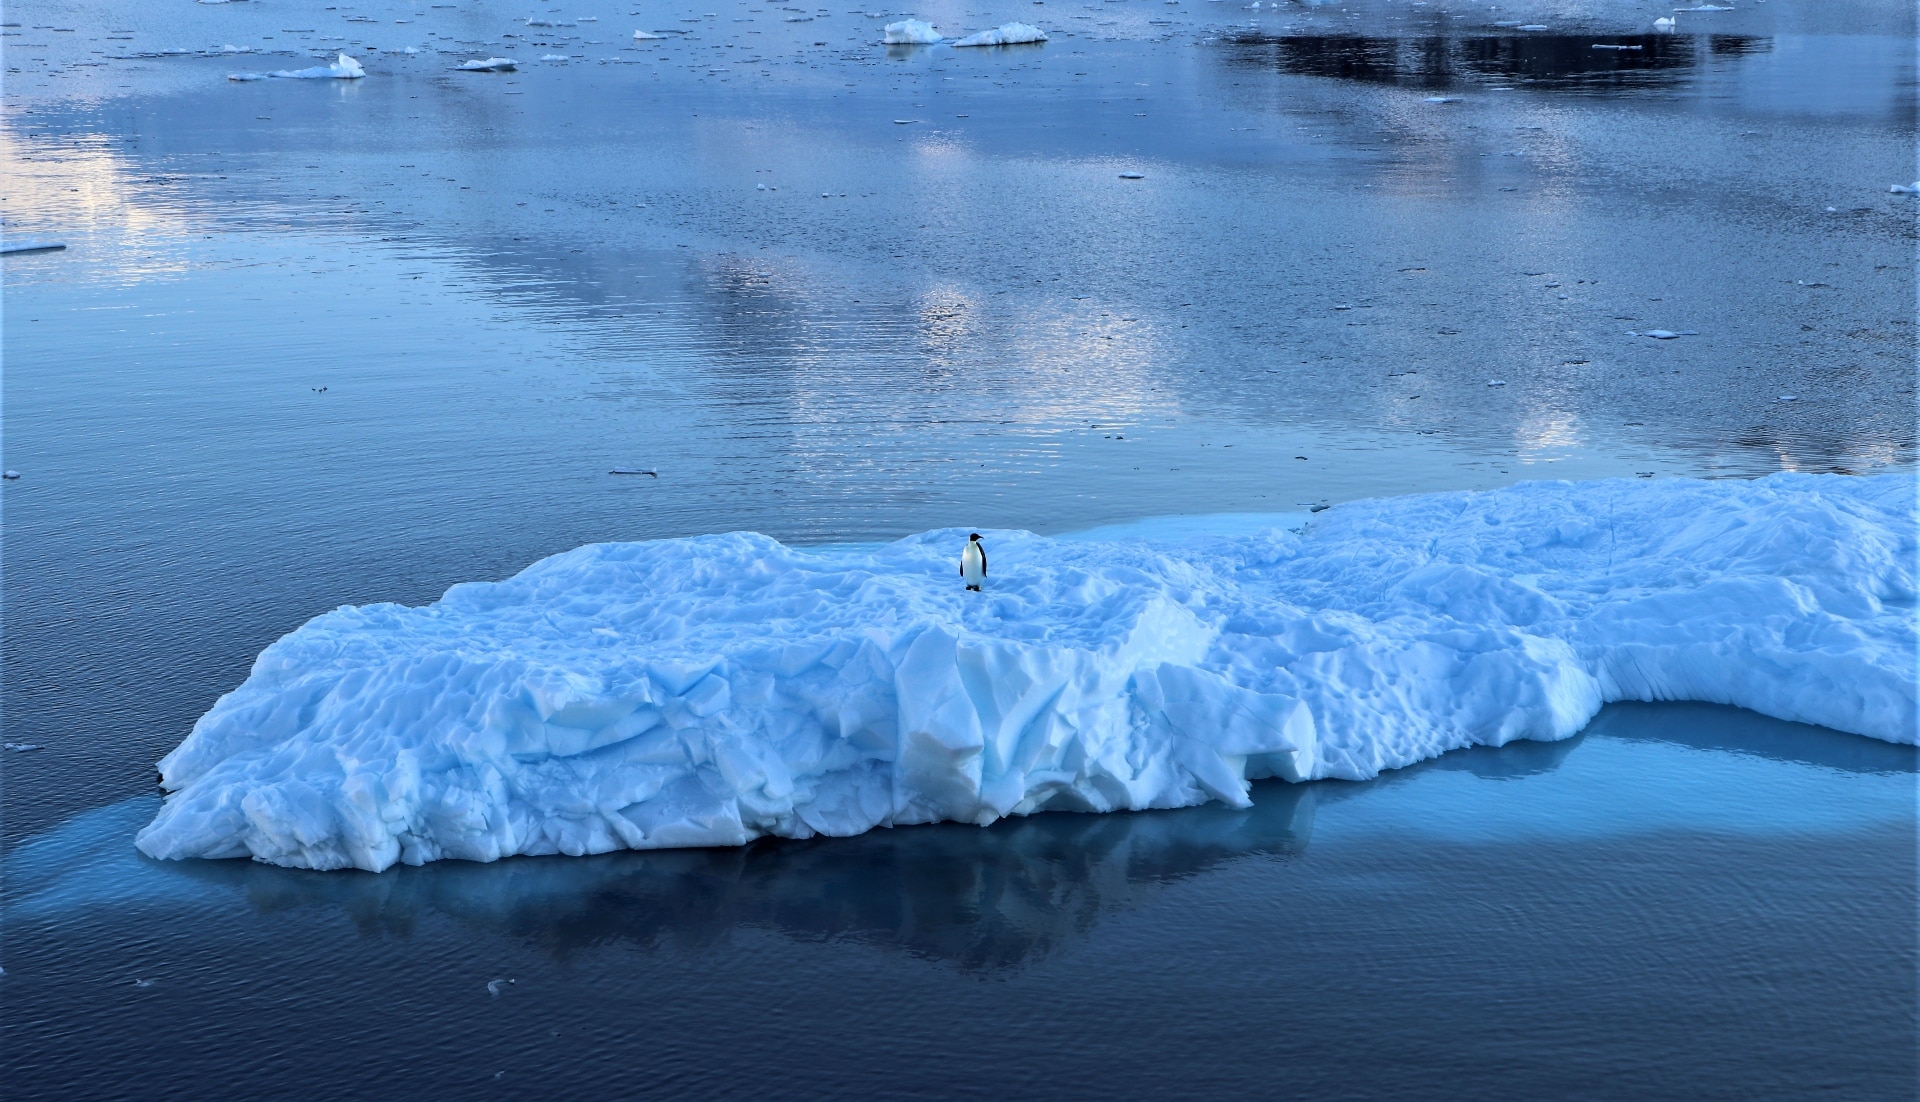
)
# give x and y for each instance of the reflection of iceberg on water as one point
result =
(710, 691)
(980, 899)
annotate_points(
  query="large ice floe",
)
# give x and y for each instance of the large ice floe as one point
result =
(706, 691)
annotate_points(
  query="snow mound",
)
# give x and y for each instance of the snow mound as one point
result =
(911, 32)
(706, 691)
(343, 68)
(490, 65)
(1007, 34)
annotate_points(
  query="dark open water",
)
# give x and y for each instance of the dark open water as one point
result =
(508, 285)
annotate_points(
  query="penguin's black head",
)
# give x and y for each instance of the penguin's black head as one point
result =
(975, 538)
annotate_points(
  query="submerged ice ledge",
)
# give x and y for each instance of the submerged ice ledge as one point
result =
(706, 691)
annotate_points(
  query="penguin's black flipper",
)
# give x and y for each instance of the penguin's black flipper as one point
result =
(983, 559)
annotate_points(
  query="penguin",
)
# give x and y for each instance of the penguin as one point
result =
(973, 563)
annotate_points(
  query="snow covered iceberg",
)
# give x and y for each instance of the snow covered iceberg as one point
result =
(706, 691)
(1007, 34)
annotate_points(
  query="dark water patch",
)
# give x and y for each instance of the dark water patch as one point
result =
(1566, 62)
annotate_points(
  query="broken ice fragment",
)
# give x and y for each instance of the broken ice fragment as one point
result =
(911, 32)
(1007, 34)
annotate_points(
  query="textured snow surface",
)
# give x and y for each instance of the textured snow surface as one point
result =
(1007, 34)
(911, 32)
(710, 690)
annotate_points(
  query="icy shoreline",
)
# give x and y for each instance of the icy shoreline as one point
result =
(707, 691)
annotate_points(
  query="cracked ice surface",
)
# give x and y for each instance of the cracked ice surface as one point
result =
(707, 691)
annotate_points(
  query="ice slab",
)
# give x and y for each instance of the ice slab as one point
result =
(911, 32)
(343, 68)
(489, 65)
(707, 691)
(1007, 34)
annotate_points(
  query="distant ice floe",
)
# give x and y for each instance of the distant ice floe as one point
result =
(708, 691)
(647, 36)
(343, 68)
(1905, 189)
(489, 65)
(1008, 34)
(911, 32)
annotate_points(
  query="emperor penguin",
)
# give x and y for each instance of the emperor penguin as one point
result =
(973, 563)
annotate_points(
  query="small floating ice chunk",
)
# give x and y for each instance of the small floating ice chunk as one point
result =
(1664, 23)
(1443, 99)
(911, 32)
(1007, 34)
(19, 747)
(1904, 189)
(1608, 46)
(555, 57)
(343, 68)
(1133, 175)
(1496, 382)
(1789, 397)
(1532, 27)
(490, 65)
(1669, 334)
(648, 36)
(10, 475)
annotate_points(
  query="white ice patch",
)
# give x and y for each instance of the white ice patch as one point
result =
(707, 691)
(490, 65)
(1007, 34)
(343, 68)
(911, 32)
(645, 36)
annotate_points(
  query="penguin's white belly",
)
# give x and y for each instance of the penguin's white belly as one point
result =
(973, 565)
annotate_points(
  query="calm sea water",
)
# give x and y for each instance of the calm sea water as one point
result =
(320, 342)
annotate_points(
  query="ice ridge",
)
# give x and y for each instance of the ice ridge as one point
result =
(707, 691)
